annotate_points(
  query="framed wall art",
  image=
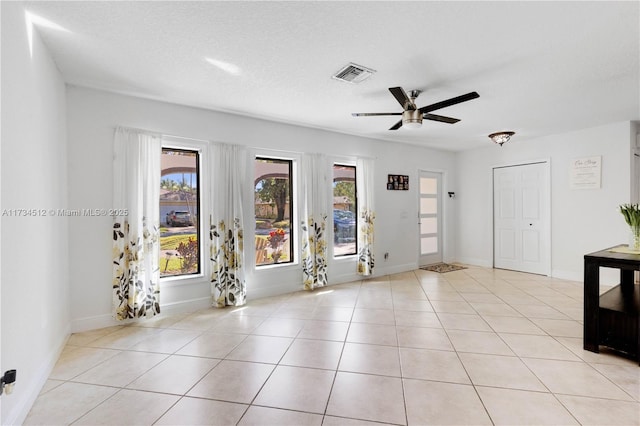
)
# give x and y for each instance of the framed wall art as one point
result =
(398, 182)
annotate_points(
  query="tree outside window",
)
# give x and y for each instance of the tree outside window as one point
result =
(273, 209)
(179, 213)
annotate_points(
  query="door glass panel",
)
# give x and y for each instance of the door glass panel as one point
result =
(429, 225)
(428, 185)
(428, 205)
(428, 245)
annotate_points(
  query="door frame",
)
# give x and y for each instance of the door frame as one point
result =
(546, 213)
(444, 222)
(635, 177)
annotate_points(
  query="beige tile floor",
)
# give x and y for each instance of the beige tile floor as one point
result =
(477, 346)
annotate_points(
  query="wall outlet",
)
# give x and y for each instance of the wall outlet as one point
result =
(386, 256)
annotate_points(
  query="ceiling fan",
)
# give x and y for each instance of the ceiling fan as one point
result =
(412, 116)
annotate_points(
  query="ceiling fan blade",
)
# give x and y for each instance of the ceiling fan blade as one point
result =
(449, 102)
(396, 126)
(373, 114)
(440, 118)
(402, 98)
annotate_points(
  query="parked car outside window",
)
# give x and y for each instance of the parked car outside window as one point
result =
(175, 218)
(344, 226)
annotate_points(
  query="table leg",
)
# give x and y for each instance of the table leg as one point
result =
(591, 305)
(626, 281)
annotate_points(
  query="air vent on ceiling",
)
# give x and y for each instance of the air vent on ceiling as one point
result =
(353, 73)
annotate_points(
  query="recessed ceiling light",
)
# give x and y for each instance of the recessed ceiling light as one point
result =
(224, 66)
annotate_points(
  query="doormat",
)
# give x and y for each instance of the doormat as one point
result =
(442, 268)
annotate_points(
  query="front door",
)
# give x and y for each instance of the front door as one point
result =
(521, 215)
(430, 218)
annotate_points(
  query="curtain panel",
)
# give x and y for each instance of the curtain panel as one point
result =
(228, 178)
(366, 215)
(136, 228)
(315, 186)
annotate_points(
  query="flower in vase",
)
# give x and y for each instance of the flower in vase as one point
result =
(631, 213)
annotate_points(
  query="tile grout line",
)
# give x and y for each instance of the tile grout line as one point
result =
(395, 295)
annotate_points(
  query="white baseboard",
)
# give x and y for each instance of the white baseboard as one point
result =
(92, 323)
(107, 320)
(263, 292)
(608, 276)
(567, 275)
(273, 290)
(395, 269)
(485, 263)
(344, 278)
(186, 306)
(30, 391)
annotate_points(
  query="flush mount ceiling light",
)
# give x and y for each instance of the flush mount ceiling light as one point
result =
(501, 137)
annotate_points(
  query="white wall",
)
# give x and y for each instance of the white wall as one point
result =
(582, 221)
(35, 288)
(92, 117)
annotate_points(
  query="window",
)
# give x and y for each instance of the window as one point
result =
(179, 213)
(344, 210)
(273, 209)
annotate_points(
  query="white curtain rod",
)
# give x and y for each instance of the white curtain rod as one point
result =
(248, 147)
(160, 133)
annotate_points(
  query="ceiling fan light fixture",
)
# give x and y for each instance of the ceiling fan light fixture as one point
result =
(412, 116)
(501, 137)
(412, 119)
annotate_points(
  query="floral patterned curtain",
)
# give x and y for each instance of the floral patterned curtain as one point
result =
(366, 215)
(228, 168)
(314, 204)
(136, 225)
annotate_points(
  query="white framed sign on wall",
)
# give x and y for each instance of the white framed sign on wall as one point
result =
(585, 173)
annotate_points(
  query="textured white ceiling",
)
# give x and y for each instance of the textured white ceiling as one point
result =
(539, 67)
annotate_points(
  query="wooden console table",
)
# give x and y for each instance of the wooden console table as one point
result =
(612, 319)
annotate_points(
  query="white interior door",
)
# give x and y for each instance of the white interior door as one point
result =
(430, 217)
(521, 213)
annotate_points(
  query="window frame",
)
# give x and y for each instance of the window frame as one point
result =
(355, 185)
(293, 208)
(184, 144)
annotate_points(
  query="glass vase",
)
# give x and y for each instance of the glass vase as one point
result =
(634, 238)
